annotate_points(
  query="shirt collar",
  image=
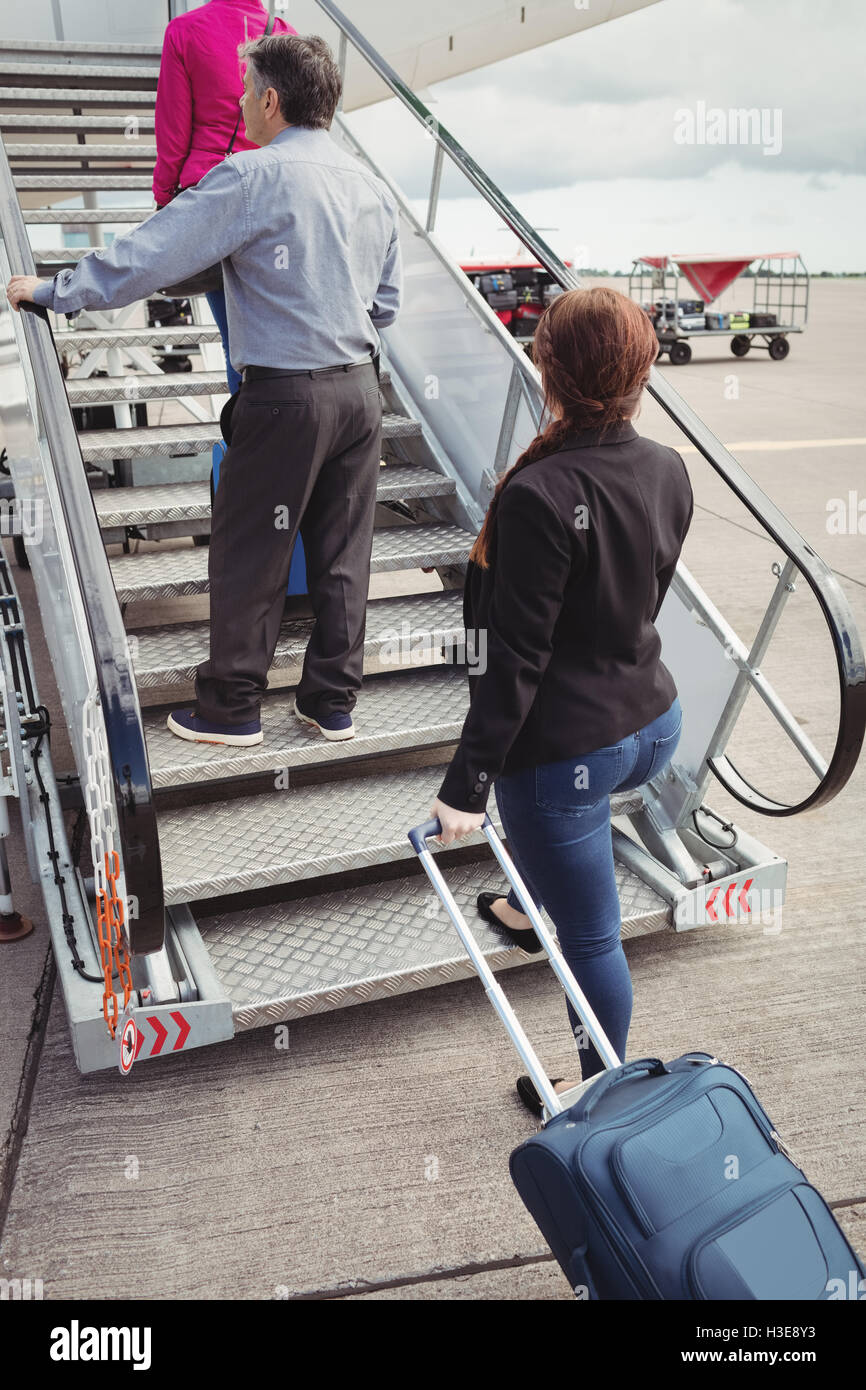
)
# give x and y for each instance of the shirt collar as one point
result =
(619, 433)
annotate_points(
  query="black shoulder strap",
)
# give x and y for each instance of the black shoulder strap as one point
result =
(268, 28)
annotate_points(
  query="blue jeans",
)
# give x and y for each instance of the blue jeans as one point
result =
(556, 818)
(217, 302)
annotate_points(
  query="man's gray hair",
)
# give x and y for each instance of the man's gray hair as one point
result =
(302, 71)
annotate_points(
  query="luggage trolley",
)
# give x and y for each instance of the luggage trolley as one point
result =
(780, 300)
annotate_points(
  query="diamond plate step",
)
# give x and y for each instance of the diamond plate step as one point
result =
(173, 573)
(397, 711)
(280, 837)
(89, 339)
(79, 74)
(89, 50)
(101, 446)
(86, 215)
(59, 255)
(169, 654)
(288, 960)
(138, 506)
(77, 182)
(13, 97)
(129, 150)
(394, 712)
(34, 121)
(144, 386)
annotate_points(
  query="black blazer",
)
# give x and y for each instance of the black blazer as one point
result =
(562, 655)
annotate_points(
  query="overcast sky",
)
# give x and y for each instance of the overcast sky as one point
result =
(587, 136)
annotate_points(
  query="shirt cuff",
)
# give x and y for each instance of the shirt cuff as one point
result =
(44, 294)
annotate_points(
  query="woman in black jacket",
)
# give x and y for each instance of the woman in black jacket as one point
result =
(569, 699)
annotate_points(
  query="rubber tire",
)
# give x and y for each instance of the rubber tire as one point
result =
(740, 345)
(680, 352)
(779, 348)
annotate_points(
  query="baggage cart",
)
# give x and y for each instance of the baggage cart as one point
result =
(780, 300)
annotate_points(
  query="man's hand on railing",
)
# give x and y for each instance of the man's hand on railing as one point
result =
(22, 287)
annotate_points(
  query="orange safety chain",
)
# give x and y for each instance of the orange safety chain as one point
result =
(109, 921)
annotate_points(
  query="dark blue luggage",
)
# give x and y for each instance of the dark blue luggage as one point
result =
(660, 1180)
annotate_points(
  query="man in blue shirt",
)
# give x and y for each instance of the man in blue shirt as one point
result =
(308, 239)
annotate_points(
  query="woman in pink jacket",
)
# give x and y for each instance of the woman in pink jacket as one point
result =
(198, 102)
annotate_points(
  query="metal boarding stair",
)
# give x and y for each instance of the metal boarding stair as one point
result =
(265, 883)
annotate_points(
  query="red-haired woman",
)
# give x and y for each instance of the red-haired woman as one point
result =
(569, 699)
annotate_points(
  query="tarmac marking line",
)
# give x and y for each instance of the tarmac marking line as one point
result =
(768, 446)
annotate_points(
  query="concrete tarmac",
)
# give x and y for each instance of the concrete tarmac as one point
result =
(370, 1159)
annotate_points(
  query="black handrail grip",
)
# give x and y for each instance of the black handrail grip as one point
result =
(851, 665)
(127, 750)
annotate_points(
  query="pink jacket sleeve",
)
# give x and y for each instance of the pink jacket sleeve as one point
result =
(172, 119)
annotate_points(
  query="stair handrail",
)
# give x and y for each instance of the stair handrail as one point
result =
(847, 646)
(133, 808)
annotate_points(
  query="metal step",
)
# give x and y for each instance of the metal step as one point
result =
(288, 960)
(249, 842)
(89, 339)
(78, 182)
(43, 75)
(11, 98)
(121, 154)
(61, 256)
(106, 215)
(89, 50)
(168, 502)
(395, 711)
(183, 571)
(164, 385)
(144, 386)
(176, 441)
(33, 121)
(168, 655)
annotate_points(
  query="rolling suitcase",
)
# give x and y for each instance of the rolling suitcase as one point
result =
(659, 1180)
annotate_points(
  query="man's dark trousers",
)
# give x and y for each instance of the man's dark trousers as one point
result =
(304, 453)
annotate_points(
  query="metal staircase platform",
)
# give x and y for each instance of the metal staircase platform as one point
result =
(107, 215)
(178, 335)
(80, 75)
(31, 121)
(101, 389)
(168, 655)
(248, 842)
(77, 182)
(96, 390)
(123, 154)
(287, 960)
(140, 506)
(394, 712)
(173, 441)
(172, 573)
(13, 97)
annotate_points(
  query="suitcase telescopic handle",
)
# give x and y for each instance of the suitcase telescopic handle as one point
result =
(419, 837)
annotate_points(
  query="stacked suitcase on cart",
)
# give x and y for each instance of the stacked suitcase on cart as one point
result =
(659, 1180)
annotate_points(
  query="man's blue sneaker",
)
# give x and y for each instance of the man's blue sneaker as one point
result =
(331, 725)
(187, 724)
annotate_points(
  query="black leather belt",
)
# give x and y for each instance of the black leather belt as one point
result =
(256, 373)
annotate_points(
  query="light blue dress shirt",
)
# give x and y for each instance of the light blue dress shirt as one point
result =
(308, 240)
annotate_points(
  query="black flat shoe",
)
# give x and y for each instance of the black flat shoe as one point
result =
(525, 939)
(530, 1097)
